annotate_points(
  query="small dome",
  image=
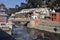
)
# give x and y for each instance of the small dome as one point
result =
(53, 11)
(13, 15)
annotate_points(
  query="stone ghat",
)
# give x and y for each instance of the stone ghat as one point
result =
(46, 26)
(50, 23)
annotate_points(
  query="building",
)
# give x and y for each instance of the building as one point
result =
(3, 16)
(43, 12)
(4, 23)
(55, 16)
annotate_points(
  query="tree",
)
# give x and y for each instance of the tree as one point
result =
(17, 6)
(34, 3)
(23, 5)
(52, 3)
(2, 6)
(57, 2)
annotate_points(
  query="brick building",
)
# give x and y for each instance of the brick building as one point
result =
(55, 16)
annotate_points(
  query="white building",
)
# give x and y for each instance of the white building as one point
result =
(42, 11)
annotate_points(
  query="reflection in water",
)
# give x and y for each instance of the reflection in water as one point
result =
(20, 32)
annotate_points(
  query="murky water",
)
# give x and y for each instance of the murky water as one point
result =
(20, 32)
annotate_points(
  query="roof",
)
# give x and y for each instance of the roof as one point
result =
(24, 11)
(3, 15)
(31, 10)
(1, 10)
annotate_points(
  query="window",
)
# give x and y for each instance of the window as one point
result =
(2, 24)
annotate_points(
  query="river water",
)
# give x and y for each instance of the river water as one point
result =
(20, 32)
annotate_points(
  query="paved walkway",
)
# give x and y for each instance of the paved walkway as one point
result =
(48, 29)
(44, 25)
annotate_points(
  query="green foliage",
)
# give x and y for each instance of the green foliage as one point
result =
(2, 6)
(12, 10)
(34, 4)
(17, 6)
